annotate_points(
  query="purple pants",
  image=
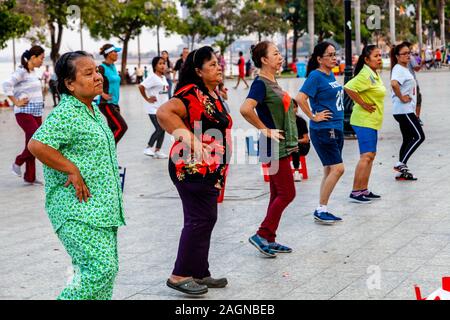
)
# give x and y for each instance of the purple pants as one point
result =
(200, 215)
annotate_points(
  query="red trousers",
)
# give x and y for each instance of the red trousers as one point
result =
(29, 124)
(282, 193)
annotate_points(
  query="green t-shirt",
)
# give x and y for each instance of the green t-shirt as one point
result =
(370, 87)
(85, 139)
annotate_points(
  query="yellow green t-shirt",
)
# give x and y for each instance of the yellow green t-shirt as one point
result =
(370, 87)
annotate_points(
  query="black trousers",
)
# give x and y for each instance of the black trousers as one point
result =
(158, 135)
(412, 133)
(303, 150)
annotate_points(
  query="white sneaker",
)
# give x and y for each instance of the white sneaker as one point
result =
(160, 155)
(15, 169)
(149, 152)
(297, 176)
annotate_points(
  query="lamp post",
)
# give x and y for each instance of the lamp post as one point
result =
(285, 17)
(348, 71)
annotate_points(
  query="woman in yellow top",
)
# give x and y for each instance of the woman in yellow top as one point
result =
(367, 90)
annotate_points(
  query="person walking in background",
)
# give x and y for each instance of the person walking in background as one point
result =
(404, 99)
(154, 91)
(303, 142)
(24, 90)
(145, 72)
(168, 72)
(53, 86)
(198, 165)
(326, 97)
(82, 184)
(438, 59)
(179, 65)
(367, 90)
(139, 74)
(45, 80)
(241, 66)
(275, 118)
(109, 99)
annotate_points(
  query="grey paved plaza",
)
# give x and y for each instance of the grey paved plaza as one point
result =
(379, 252)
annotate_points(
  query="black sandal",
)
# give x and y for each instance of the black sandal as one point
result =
(188, 286)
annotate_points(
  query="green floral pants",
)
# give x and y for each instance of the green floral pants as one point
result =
(94, 258)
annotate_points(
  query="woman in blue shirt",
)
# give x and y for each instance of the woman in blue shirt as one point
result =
(326, 97)
(109, 99)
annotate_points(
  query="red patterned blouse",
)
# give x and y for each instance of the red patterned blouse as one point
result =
(210, 122)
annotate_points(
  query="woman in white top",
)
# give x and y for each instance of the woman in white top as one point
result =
(404, 100)
(154, 90)
(24, 89)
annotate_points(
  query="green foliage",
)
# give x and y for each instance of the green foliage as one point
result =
(12, 24)
(200, 22)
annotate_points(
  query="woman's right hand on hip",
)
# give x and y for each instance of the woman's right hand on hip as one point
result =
(21, 102)
(82, 191)
(274, 134)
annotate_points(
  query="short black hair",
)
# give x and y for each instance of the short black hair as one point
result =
(66, 69)
(155, 62)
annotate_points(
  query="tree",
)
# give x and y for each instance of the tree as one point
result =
(226, 13)
(121, 19)
(260, 17)
(199, 24)
(12, 24)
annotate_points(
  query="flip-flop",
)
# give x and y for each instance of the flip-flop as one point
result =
(188, 286)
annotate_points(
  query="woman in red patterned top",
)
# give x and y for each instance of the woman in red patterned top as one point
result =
(198, 163)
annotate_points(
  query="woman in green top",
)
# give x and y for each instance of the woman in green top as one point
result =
(367, 90)
(275, 118)
(82, 184)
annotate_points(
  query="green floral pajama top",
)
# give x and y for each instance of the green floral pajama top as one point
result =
(85, 139)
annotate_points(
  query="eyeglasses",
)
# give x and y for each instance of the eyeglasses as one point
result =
(331, 55)
(405, 53)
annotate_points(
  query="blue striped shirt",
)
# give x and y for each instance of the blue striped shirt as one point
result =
(25, 84)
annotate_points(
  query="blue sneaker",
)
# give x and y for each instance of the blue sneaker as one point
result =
(359, 199)
(279, 248)
(262, 245)
(372, 196)
(325, 218)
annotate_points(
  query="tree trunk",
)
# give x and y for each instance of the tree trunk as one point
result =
(55, 41)
(392, 20)
(358, 26)
(419, 25)
(294, 45)
(442, 21)
(157, 39)
(124, 58)
(311, 25)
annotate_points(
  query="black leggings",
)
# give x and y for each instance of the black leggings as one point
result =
(158, 135)
(115, 120)
(412, 133)
(303, 150)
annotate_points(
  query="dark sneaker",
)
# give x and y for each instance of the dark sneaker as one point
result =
(325, 218)
(212, 283)
(405, 176)
(262, 245)
(372, 196)
(188, 286)
(279, 248)
(359, 199)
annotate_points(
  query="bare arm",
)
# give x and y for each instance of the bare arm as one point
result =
(304, 139)
(248, 112)
(170, 116)
(151, 99)
(55, 160)
(302, 101)
(396, 87)
(357, 98)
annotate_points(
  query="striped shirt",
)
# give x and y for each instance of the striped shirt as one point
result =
(25, 84)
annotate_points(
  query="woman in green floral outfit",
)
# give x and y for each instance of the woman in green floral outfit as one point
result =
(82, 184)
